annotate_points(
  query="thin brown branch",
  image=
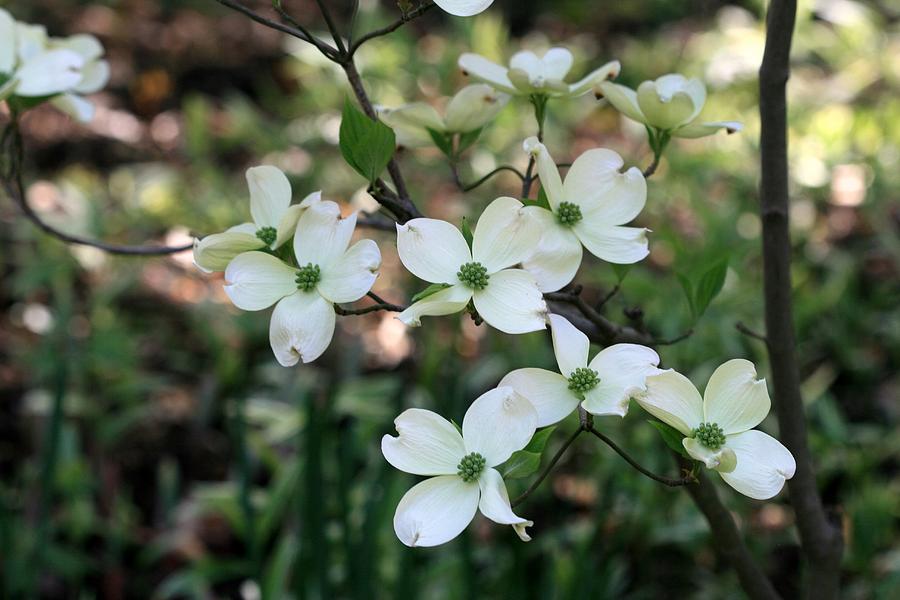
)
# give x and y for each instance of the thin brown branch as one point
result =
(332, 27)
(688, 478)
(12, 151)
(750, 333)
(380, 304)
(484, 179)
(297, 32)
(406, 18)
(651, 168)
(599, 327)
(323, 46)
(821, 539)
(674, 340)
(546, 470)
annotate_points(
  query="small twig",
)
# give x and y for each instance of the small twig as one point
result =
(323, 47)
(380, 304)
(651, 168)
(669, 481)
(406, 18)
(749, 332)
(469, 187)
(607, 331)
(674, 340)
(608, 296)
(332, 27)
(376, 221)
(546, 470)
(15, 189)
(298, 33)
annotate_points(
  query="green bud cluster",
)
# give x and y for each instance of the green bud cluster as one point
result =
(583, 380)
(470, 467)
(568, 213)
(474, 275)
(308, 277)
(710, 435)
(267, 234)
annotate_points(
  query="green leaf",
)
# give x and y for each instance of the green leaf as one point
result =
(539, 440)
(621, 271)
(442, 140)
(455, 424)
(366, 145)
(522, 463)
(434, 288)
(709, 286)
(467, 139)
(467, 232)
(688, 293)
(542, 199)
(671, 436)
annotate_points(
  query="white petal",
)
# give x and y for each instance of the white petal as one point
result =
(7, 42)
(49, 73)
(734, 398)
(512, 302)
(623, 370)
(473, 107)
(435, 511)
(623, 99)
(615, 244)
(322, 235)
(494, 502)
(498, 423)
(31, 40)
(663, 108)
(547, 391)
(555, 64)
(432, 250)
(481, 69)
(763, 464)
(417, 114)
(94, 77)
(570, 345)
(270, 195)
(608, 71)
(547, 171)
(352, 276)
(214, 252)
(301, 328)
(673, 399)
(697, 91)
(427, 444)
(248, 228)
(504, 235)
(85, 45)
(463, 8)
(75, 106)
(557, 257)
(527, 61)
(287, 225)
(255, 280)
(606, 196)
(698, 130)
(445, 302)
(723, 460)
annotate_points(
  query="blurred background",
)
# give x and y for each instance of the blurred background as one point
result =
(151, 447)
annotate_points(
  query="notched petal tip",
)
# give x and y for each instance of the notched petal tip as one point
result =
(520, 530)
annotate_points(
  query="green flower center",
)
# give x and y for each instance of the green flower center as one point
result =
(308, 277)
(583, 380)
(267, 234)
(474, 275)
(470, 467)
(710, 435)
(568, 213)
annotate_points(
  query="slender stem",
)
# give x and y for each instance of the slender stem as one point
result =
(539, 102)
(651, 168)
(599, 327)
(821, 539)
(406, 18)
(296, 32)
(469, 187)
(379, 305)
(322, 46)
(546, 470)
(750, 333)
(332, 27)
(669, 481)
(15, 189)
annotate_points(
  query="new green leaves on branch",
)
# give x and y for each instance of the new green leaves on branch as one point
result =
(706, 289)
(367, 145)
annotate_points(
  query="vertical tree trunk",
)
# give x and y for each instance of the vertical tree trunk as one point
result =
(822, 542)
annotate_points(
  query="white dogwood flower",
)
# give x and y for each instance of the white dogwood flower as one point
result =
(461, 467)
(529, 73)
(37, 67)
(507, 299)
(671, 103)
(468, 110)
(602, 387)
(326, 273)
(718, 429)
(464, 8)
(590, 208)
(274, 221)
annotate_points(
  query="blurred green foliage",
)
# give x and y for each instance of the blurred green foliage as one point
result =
(190, 465)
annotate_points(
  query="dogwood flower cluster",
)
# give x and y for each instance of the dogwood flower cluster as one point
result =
(469, 110)
(35, 67)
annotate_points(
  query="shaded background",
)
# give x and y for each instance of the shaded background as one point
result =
(190, 465)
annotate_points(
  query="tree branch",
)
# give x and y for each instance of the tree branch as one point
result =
(471, 186)
(380, 304)
(822, 540)
(295, 31)
(12, 150)
(546, 470)
(406, 18)
(669, 481)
